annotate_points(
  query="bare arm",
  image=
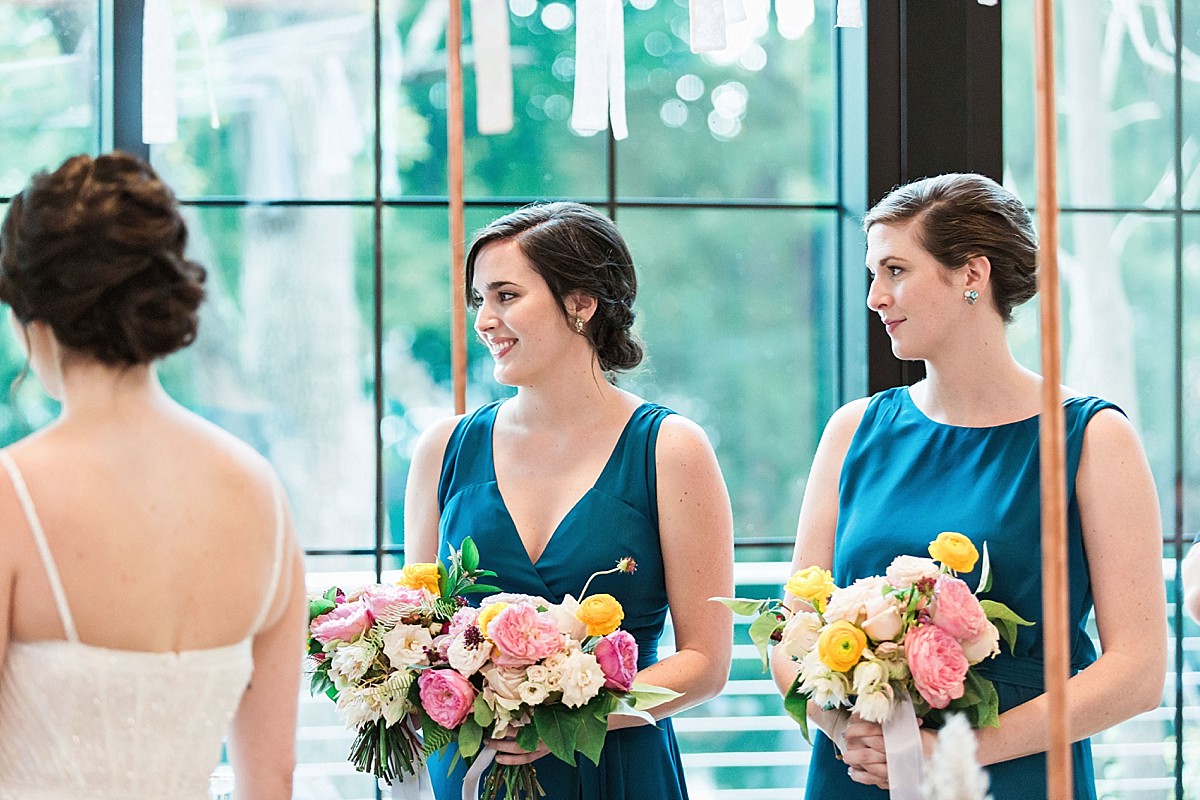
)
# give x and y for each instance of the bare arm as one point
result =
(1122, 534)
(262, 741)
(1191, 581)
(696, 535)
(817, 527)
(421, 512)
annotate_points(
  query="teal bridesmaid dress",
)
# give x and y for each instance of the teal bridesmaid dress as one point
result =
(617, 517)
(905, 479)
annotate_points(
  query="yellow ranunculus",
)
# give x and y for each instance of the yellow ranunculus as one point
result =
(954, 550)
(487, 614)
(813, 585)
(840, 645)
(420, 576)
(601, 613)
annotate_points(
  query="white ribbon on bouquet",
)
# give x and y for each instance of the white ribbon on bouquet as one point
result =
(475, 774)
(905, 754)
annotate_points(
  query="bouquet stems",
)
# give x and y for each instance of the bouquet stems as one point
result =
(387, 751)
(519, 782)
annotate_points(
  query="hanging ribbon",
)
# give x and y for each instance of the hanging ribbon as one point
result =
(707, 25)
(849, 14)
(599, 67)
(735, 12)
(905, 754)
(793, 17)
(160, 112)
(408, 787)
(988, 2)
(493, 66)
(470, 786)
(214, 120)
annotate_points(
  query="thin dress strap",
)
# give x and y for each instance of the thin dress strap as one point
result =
(39, 538)
(277, 561)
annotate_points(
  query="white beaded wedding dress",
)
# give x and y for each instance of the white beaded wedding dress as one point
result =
(80, 721)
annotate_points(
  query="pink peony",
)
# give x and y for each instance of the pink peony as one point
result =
(617, 654)
(937, 664)
(523, 636)
(956, 610)
(382, 600)
(446, 696)
(345, 623)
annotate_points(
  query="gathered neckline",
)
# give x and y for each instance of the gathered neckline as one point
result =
(908, 401)
(120, 652)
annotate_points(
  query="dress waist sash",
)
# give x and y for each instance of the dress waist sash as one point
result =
(1026, 671)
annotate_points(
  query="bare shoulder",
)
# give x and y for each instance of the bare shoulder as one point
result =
(431, 446)
(842, 424)
(1109, 432)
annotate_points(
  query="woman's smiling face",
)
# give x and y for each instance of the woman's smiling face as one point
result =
(519, 319)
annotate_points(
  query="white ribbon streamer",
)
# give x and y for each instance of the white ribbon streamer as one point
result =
(470, 787)
(794, 17)
(160, 110)
(493, 66)
(707, 25)
(735, 12)
(849, 14)
(409, 786)
(905, 755)
(988, 2)
(599, 67)
(214, 120)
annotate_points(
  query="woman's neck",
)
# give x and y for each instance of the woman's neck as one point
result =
(978, 386)
(567, 400)
(93, 391)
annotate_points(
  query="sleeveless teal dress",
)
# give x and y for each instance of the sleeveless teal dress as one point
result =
(617, 517)
(905, 479)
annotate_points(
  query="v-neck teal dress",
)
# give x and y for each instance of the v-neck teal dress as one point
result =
(617, 517)
(905, 479)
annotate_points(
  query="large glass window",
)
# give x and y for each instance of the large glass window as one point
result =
(1129, 220)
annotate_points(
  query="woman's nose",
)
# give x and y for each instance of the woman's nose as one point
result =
(877, 298)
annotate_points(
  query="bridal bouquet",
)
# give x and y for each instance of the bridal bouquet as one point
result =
(913, 634)
(520, 666)
(366, 649)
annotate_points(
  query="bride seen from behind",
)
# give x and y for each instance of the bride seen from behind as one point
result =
(151, 587)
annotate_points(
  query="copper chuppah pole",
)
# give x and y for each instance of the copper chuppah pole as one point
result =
(454, 140)
(1052, 436)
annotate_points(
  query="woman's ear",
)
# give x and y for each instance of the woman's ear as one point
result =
(581, 306)
(977, 273)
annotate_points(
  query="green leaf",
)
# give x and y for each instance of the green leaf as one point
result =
(319, 606)
(1005, 619)
(483, 712)
(470, 737)
(644, 696)
(557, 726)
(478, 587)
(470, 555)
(795, 703)
(589, 740)
(443, 579)
(602, 705)
(320, 682)
(986, 711)
(527, 738)
(331, 594)
(761, 631)
(985, 574)
(743, 607)
(435, 736)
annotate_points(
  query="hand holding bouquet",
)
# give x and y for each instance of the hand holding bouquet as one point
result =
(366, 648)
(915, 633)
(522, 667)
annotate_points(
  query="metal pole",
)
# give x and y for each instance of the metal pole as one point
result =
(454, 137)
(1052, 435)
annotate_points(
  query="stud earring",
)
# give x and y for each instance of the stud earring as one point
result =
(971, 296)
(579, 325)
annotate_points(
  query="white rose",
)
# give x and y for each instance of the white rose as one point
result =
(537, 673)
(883, 621)
(907, 570)
(404, 645)
(875, 706)
(505, 683)
(568, 623)
(850, 603)
(800, 634)
(554, 664)
(582, 679)
(466, 659)
(533, 693)
(985, 645)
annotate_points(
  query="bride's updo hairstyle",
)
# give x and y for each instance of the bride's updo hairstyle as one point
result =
(576, 250)
(962, 215)
(95, 251)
